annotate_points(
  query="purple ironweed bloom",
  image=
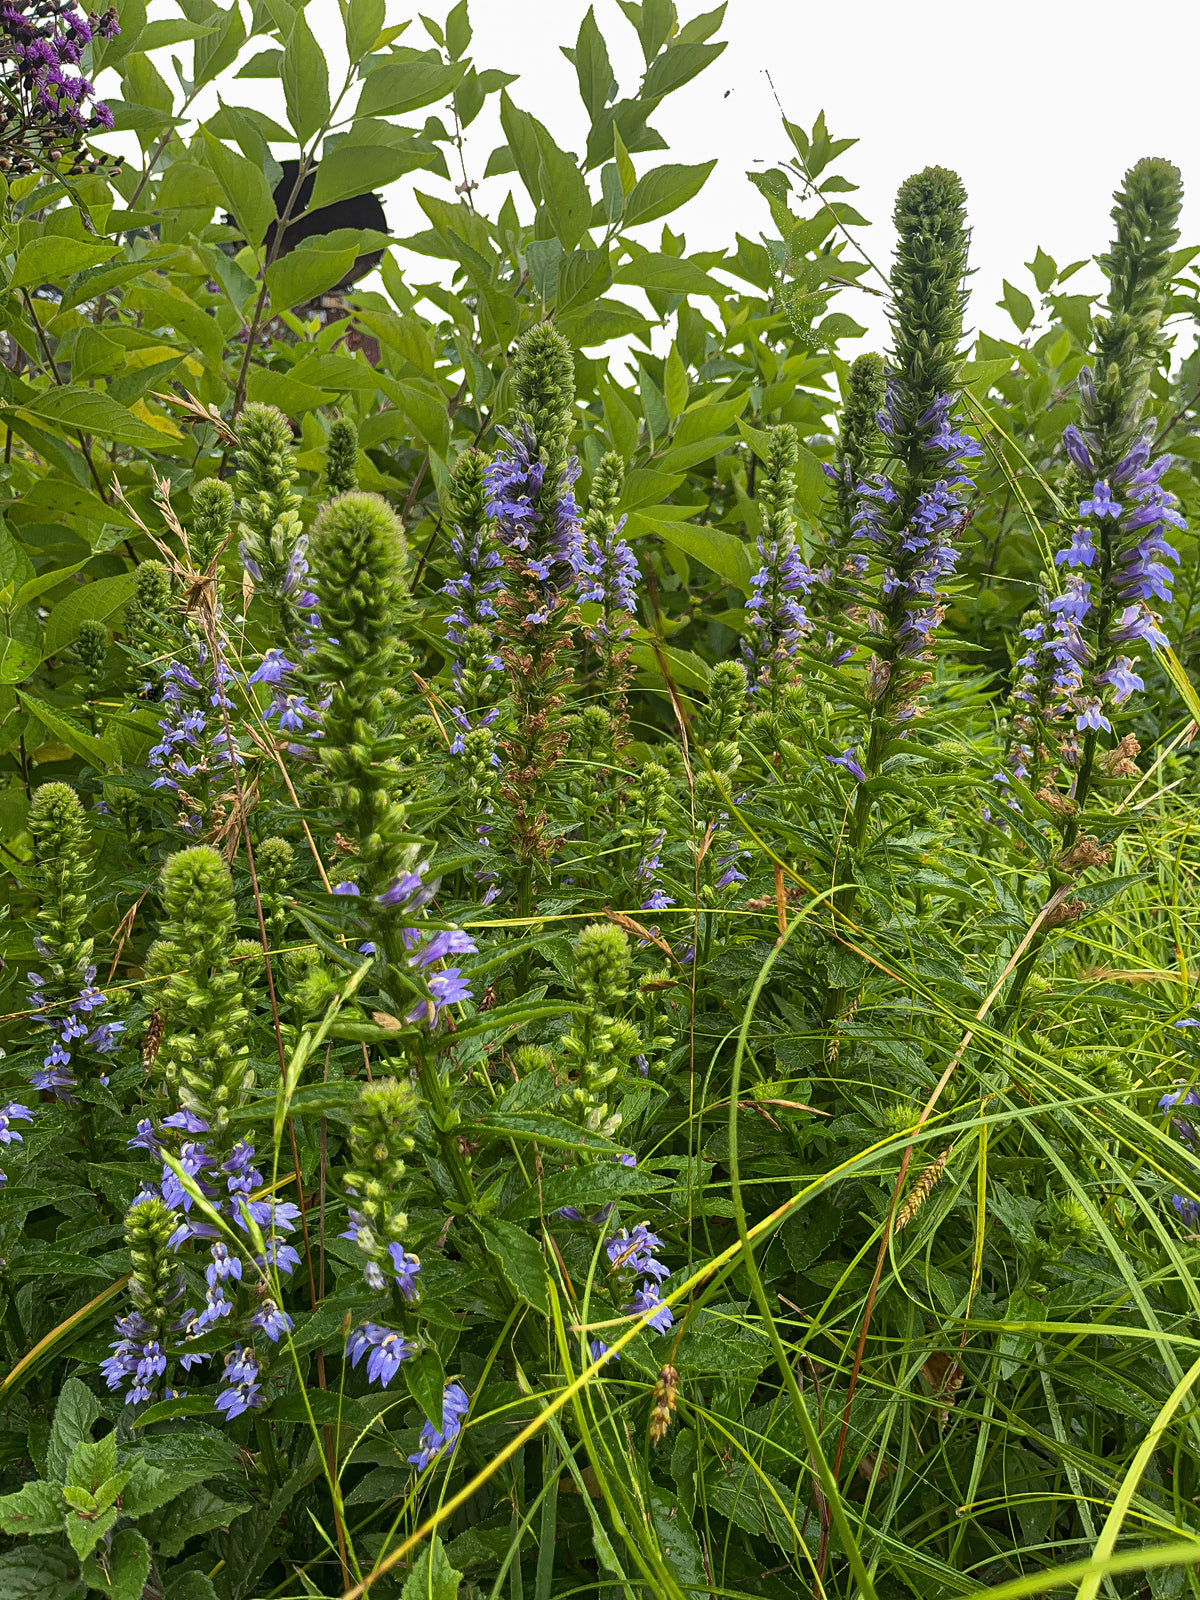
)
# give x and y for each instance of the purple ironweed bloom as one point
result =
(847, 760)
(387, 1350)
(646, 1303)
(455, 1405)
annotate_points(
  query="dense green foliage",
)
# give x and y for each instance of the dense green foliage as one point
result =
(600, 894)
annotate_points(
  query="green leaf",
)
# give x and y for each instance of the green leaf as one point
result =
(85, 1533)
(592, 66)
(71, 734)
(364, 24)
(92, 412)
(1044, 270)
(40, 1572)
(54, 258)
(188, 1515)
(432, 1578)
(356, 165)
(92, 601)
(36, 1507)
(676, 66)
(278, 389)
(675, 383)
(519, 1258)
(672, 274)
(663, 190)
(170, 30)
(189, 1586)
(74, 1418)
(18, 659)
(217, 50)
(245, 187)
(1018, 305)
(678, 1540)
(303, 274)
(401, 86)
(555, 1132)
(305, 78)
(458, 30)
(426, 1379)
(525, 139)
(979, 376)
(564, 193)
(127, 1564)
(722, 552)
(188, 185)
(266, 64)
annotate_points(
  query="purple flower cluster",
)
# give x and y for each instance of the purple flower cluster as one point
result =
(608, 575)
(469, 630)
(1121, 545)
(647, 875)
(8, 1134)
(634, 1253)
(71, 1033)
(455, 1405)
(238, 1178)
(275, 671)
(551, 555)
(384, 1349)
(917, 553)
(778, 624)
(192, 739)
(49, 99)
(137, 1358)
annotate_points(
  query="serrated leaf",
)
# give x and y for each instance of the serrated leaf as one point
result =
(663, 190)
(426, 1379)
(397, 87)
(55, 257)
(245, 187)
(519, 1258)
(432, 1577)
(303, 274)
(40, 1572)
(126, 1567)
(188, 1515)
(74, 1417)
(550, 1130)
(71, 734)
(305, 78)
(91, 412)
(723, 553)
(37, 1507)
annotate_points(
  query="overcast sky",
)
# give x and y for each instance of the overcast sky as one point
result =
(1040, 105)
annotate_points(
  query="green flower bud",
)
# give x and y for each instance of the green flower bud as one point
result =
(607, 482)
(602, 964)
(380, 1138)
(468, 497)
(212, 518)
(269, 527)
(341, 457)
(91, 647)
(928, 299)
(156, 1276)
(61, 836)
(776, 489)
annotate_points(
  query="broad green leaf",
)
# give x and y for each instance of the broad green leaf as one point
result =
(663, 190)
(519, 1257)
(55, 257)
(18, 659)
(1018, 305)
(68, 732)
(592, 66)
(432, 1576)
(426, 1379)
(266, 64)
(672, 274)
(303, 274)
(189, 1586)
(40, 1572)
(723, 553)
(675, 383)
(584, 1186)
(94, 413)
(98, 600)
(525, 135)
(677, 65)
(979, 376)
(356, 165)
(364, 22)
(186, 184)
(305, 77)
(170, 30)
(75, 1416)
(167, 307)
(216, 51)
(598, 323)
(564, 193)
(550, 1130)
(188, 1515)
(245, 186)
(278, 389)
(126, 1567)
(401, 86)
(36, 1507)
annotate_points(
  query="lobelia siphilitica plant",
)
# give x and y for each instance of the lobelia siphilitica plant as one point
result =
(64, 1000)
(1081, 664)
(608, 578)
(272, 541)
(531, 500)
(778, 624)
(837, 590)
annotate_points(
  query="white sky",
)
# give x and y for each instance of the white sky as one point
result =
(1040, 105)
